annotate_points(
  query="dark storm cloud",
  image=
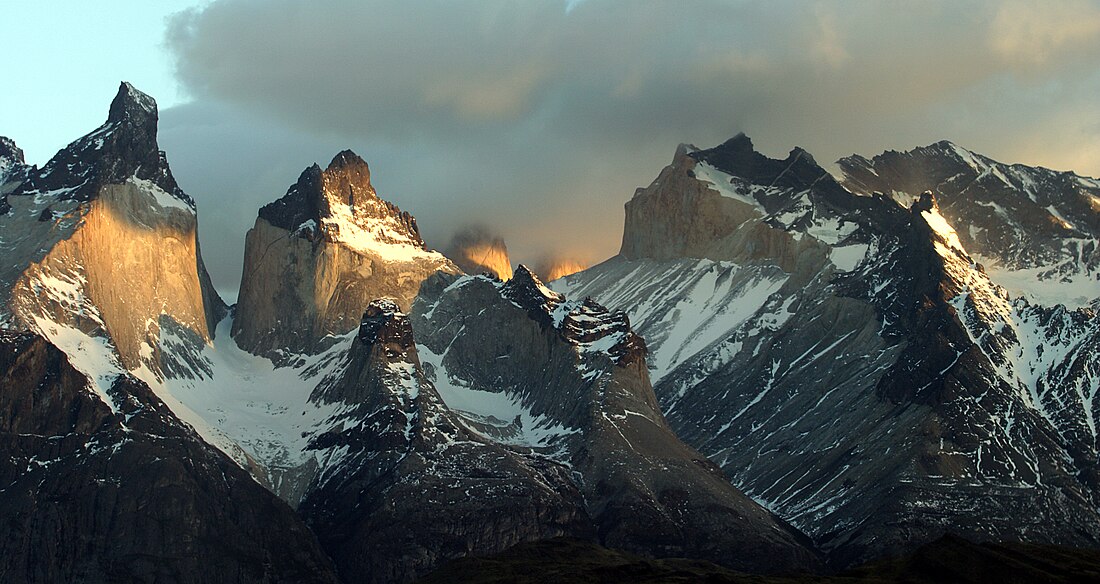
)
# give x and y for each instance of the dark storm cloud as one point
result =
(541, 120)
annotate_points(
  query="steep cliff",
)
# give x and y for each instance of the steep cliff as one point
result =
(403, 478)
(114, 488)
(102, 240)
(13, 170)
(478, 251)
(317, 257)
(848, 363)
(525, 367)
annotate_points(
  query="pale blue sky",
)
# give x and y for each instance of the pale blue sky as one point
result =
(65, 58)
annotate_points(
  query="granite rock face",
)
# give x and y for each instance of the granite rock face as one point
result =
(113, 487)
(317, 257)
(847, 362)
(479, 251)
(102, 241)
(552, 267)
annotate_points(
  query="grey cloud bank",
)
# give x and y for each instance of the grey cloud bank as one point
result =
(541, 121)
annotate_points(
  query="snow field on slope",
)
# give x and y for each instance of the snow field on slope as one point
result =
(367, 236)
(683, 306)
(488, 407)
(1075, 291)
(250, 403)
(720, 182)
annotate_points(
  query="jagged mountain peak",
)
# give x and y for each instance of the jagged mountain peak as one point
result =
(527, 291)
(732, 202)
(926, 202)
(1030, 223)
(739, 143)
(123, 149)
(318, 255)
(13, 169)
(340, 204)
(348, 161)
(103, 241)
(10, 152)
(132, 106)
(738, 157)
(385, 324)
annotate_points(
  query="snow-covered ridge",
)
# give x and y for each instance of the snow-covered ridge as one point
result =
(733, 187)
(376, 232)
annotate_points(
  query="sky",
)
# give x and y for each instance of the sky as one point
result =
(539, 118)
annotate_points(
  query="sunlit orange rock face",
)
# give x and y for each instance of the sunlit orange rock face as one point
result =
(478, 251)
(552, 268)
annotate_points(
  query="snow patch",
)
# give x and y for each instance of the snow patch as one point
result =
(1074, 291)
(487, 407)
(163, 198)
(720, 181)
(848, 257)
(95, 357)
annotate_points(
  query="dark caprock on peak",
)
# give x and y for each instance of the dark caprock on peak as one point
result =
(319, 254)
(10, 152)
(732, 203)
(383, 323)
(299, 205)
(738, 157)
(123, 148)
(866, 396)
(318, 194)
(13, 170)
(106, 216)
(133, 107)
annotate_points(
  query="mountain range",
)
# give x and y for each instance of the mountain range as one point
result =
(782, 371)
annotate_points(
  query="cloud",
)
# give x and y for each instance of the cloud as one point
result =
(540, 117)
(1031, 33)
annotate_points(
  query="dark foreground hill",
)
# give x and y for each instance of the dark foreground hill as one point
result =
(948, 559)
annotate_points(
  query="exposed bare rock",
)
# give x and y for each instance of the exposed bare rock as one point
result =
(119, 490)
(552, 267)
(1036, 230)
(13, 171)
(479, 251)
(406, 480)
(685, 214)
(848, 363)
(317, 257)
(574, 375)
(102, 240)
